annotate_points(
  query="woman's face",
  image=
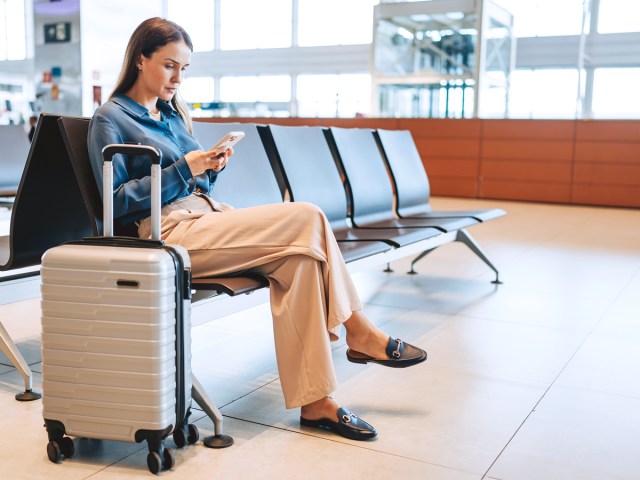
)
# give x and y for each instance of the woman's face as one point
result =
(161, 74)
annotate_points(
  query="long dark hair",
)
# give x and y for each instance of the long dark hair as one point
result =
(148, 37)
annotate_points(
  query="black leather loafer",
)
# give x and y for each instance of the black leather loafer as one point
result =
(348, 425)
(401, 355)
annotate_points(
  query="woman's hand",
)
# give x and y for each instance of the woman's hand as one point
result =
(200, 161)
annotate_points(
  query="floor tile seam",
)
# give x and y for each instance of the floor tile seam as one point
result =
(613, 302)
(613, 335)
(276, 379)
(515, 381)
(560, 246)
(461, 316)
(535, 406)
(526, 288)
(438, 330)
(115, 462)
(597, 390)
(362, 445)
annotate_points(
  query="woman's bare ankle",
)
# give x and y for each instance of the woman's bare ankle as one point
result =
(324, 408)
(364, 337)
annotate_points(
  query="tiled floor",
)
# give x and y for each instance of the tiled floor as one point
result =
(538, 378)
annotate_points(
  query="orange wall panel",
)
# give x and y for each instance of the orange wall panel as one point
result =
(441, 128)
(620, 196)
(452, 148)
(543, 150)
(453, 187)
(519, 170)
(530, 191)
(608, 130)
(523, 129)
(451, 167)
(607, 152)
(601, 174)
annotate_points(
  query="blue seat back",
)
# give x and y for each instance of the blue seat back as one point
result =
(309, 171)
(248, 179)
(407, 171)
(368, 183)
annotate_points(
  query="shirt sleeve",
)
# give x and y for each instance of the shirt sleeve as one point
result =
(132, 190)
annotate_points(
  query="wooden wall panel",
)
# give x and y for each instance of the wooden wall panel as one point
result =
(522, 171)
(618, 196)
(526, 190)
(607, 163)
(607, 152)
(527, 160)
(454, 187)
(451, 167)
(517, 129)
(608, 130)
(605, 174)
(448, 148)
(540, 149)
(441, 128)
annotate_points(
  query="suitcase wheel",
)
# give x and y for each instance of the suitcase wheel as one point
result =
(182, 437)
(57, 448)
(53, 451)
(67, 446)
(156, 463)
(194, 434)
(169, 459)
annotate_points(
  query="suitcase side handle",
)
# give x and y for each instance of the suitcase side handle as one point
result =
(107, 183)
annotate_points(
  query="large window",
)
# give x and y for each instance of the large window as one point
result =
(197, 18)
(12, 30)
(619, 16)
(249, 24)
(263, 88)
(615, 93)
(543, 93)
(540, 18)
(335, 22)
(345, 95)
(198, 89)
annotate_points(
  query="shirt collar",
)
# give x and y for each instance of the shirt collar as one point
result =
(138, 110)
(166, 108)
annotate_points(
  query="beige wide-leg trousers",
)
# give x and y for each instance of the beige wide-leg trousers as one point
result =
(293, 245)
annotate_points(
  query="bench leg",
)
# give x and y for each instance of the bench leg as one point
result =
(418, 258)
(199, 395)
(464, 237)
(9, 348)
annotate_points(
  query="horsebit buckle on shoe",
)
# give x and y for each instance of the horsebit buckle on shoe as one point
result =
(347, 418)
(396, 353)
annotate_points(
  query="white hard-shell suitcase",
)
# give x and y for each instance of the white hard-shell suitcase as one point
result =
(116, 345)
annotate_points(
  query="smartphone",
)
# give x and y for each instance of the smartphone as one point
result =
(228, 141)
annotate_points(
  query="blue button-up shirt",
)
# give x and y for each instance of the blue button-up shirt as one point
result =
(122, 120)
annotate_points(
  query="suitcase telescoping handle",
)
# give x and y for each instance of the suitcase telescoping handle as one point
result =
(107, 184)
